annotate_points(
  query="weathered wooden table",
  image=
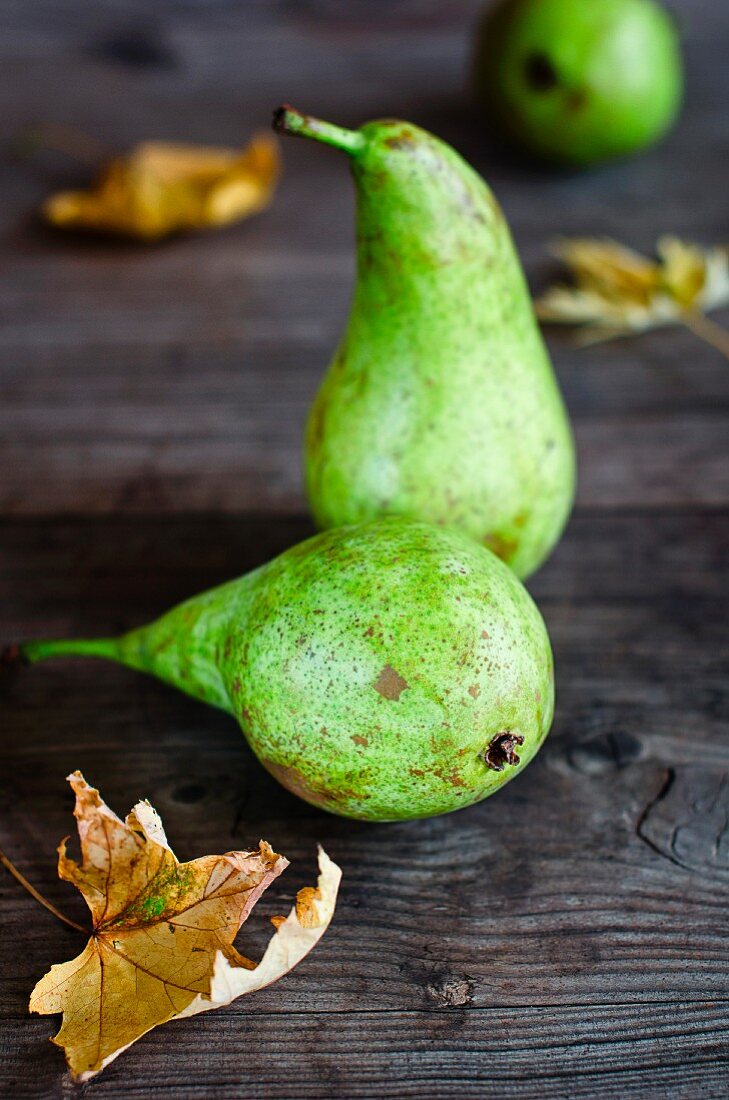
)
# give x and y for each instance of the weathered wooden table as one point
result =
(567, 938)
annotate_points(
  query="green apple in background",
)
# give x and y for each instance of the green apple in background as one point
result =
(579, 81)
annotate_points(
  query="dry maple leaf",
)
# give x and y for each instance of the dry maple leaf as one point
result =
(163, 931)
(617, 291)
(161, 188)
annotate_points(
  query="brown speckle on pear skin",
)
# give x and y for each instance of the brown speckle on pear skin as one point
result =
(504, 548)
(390, 684)
(296, 782)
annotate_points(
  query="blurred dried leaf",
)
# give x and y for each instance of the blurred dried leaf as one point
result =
(162, 940)
(618, 291)
(161, 188)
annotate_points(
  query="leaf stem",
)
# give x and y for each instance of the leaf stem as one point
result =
(39, 897)
(708, 331)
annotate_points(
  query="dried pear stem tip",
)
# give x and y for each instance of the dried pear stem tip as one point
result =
(287, 120)
(12, 656)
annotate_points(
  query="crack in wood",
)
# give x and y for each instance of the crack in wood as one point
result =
(668, 781)
(687, 821)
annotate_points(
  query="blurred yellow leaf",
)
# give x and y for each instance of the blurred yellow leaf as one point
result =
(161, 946)
(618, 291)
(161, 188)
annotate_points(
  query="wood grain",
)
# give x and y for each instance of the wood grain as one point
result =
(594, 881)
(447, 1054)
(177, 378)
(567, 938)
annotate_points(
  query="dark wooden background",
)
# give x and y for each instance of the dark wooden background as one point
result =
(567, 938)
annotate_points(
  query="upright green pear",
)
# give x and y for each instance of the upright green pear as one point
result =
(384, 671)
(440, 403)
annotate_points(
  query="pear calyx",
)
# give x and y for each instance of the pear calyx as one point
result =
(501, 750)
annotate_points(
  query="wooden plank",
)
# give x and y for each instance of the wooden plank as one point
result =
(567, 938)
(591, 880)
(221, 427)
(678, 1051)
(681, 461)
(178, 378)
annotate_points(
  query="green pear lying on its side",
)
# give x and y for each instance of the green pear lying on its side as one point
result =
(440, 403)
(384, 671)
(579, 81)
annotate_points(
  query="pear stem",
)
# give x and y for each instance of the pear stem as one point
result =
(39, 897)
(30, 653)
(287, 120)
